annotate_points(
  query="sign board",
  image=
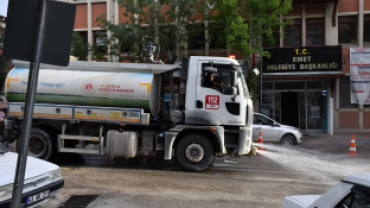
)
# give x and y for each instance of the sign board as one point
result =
(303, 59)
(315, 111)
(21, 31)
(212, 102)
(360, 75)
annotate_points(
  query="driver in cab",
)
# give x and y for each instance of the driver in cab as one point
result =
(210, 83)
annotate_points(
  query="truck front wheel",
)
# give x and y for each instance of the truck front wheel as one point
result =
(41, 144)
(195, 152)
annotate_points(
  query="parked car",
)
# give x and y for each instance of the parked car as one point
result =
(42, 179)
(273, 131)
(352, 192)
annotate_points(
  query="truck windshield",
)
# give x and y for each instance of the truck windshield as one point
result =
(244, 83)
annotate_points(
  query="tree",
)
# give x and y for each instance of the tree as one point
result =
(243, 24)
(79, 48)
(166, 22)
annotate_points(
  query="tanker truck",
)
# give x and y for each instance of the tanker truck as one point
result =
(121, 109)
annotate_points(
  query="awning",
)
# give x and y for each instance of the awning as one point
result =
(311, 77)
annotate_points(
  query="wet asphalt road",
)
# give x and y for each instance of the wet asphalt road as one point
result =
(262, 181)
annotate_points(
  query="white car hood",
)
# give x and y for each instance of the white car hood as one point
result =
(289, 127)
(34, 167)
(302, 201)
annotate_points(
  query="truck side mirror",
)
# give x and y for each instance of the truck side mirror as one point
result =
(233, 78)
(230, 91)
(256, 71)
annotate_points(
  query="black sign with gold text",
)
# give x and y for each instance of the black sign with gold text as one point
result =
(303, 59)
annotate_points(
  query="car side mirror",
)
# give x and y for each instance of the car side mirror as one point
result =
(230, 91)
(275, 124)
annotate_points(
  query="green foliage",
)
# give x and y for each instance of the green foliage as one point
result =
(245, 22)
(253, 84)
(162, 22)
(79, 48)
(100, 48)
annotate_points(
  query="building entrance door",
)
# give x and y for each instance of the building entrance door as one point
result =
(316, 110)
(289, 109)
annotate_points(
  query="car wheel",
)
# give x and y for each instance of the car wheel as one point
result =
(41, 144)
(195, 152)
(287, 140)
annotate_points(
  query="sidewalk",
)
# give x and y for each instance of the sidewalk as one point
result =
(334, 143)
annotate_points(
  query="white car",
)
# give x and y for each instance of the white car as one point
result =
(352, 192)
(42, 179)
(272, 131)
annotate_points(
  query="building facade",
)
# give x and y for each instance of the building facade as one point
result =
(316, 94)
(316, 99)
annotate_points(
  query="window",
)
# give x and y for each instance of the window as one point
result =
(314, 32)
(358, 198)
(367, 28)
(267, 107)
(271, 41)
(314, 85)
(345, 93)
(267, 85)
(166, 36)
(293, 34)
(100, 42)
(216, 39)
(261, 119)
(196, 36)
(220, 80)
(289, 85)
(83, 35)
(126, 42)
(347, 29)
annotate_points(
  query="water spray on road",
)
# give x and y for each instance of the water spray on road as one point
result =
(326, 167)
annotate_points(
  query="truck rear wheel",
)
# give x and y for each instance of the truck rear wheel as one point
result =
(41, 144)
(195, 152)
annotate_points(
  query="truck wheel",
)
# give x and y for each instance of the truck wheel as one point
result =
(195, 152)
(41, 144)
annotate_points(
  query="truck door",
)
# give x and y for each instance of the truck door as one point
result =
(214, 93)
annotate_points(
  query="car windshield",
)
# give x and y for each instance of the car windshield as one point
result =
(3, 148)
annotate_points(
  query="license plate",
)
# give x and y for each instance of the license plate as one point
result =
(38, 197)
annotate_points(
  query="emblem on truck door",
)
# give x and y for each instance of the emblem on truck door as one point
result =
(212, 102)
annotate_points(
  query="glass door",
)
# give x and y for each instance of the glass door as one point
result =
(316, 110)
(302, 110)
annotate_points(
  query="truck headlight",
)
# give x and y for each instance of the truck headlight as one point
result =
(6, 192)
(55, 175)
